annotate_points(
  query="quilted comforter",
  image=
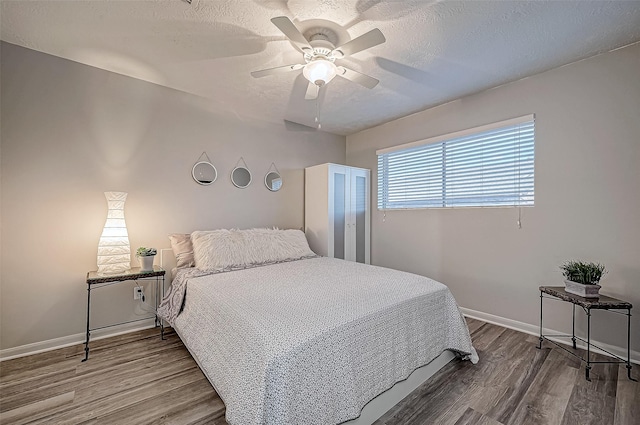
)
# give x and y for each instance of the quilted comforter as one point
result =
(312, 341)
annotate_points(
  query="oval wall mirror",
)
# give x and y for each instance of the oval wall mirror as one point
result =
(204, 173)
(273, 181)
(241, 177)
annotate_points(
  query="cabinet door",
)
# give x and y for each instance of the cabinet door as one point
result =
(338, 211)
(358, 227)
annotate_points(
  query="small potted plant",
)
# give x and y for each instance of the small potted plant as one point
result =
(582, 278)
(145, 257)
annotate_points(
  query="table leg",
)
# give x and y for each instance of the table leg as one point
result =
(629, 345)
(540, 340)
(161, 296)
(588, 368)
(573, 327)
(156, 298)
(86, 342)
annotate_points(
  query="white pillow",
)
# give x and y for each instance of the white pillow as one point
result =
(219, 249)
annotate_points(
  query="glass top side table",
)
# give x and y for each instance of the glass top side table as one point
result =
(587, 304)
(96, 281)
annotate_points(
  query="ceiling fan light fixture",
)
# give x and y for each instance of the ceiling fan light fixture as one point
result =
(320, 71)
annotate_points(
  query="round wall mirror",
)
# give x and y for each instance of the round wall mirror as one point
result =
(273, 181)
(204, 173)
(241, 177)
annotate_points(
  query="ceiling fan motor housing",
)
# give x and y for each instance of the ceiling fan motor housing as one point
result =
(320, 48)
(321, 33)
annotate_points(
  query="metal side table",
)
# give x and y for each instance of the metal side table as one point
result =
(587, 304)
(95, 281)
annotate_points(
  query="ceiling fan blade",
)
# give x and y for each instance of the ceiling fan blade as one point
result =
(357, 77)
(405, 71)
(296, 126)
(285, 25)
(312, 91)
(276, 70)
(358, 44)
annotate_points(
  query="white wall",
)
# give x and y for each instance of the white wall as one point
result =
(587, 189)
(71, 132)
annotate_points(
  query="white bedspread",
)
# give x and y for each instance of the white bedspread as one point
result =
(312, 341)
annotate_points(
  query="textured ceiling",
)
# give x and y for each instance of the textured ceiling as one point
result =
(436, 51)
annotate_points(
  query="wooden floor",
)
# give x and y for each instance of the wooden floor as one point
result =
(138, 379)
(515, 383)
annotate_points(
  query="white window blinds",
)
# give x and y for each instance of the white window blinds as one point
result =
(492, 165)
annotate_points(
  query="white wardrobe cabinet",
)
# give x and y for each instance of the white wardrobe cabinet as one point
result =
(337, 211)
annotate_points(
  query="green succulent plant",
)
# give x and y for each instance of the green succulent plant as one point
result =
(145, 252)
(582, 272)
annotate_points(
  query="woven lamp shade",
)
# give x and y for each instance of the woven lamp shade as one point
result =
(114, 251)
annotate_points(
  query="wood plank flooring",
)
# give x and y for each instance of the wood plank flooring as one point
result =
(517, 384)
(138, 379)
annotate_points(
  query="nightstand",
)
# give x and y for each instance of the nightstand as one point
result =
(96, 281)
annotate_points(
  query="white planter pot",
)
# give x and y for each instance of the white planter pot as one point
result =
(146, 263)
(586, 291)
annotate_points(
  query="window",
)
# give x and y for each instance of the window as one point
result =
(487, 166)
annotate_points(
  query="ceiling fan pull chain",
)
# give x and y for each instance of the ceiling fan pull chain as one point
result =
(318, 109)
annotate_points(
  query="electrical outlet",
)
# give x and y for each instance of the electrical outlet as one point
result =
(138, 292)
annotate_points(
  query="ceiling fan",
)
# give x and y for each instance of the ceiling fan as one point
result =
(319, 54)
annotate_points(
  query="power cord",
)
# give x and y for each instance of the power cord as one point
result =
(143, 305)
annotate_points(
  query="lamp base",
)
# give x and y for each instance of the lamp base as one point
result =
(113, 269)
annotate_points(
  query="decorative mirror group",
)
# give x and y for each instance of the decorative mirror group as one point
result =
(205, 173)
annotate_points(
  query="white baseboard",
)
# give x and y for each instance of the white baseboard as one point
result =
(535, 330)
(67, 341)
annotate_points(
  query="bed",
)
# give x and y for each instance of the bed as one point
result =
(296, 338)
